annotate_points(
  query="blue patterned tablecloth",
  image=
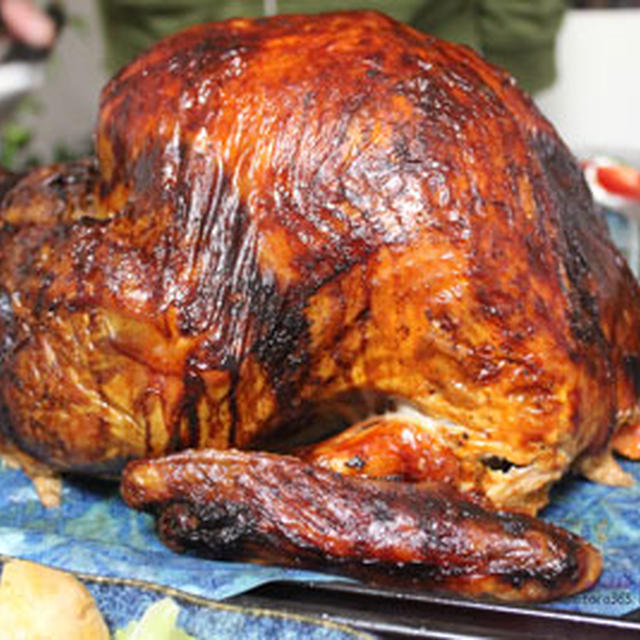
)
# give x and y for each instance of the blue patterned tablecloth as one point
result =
(609, 517)
(94, 532)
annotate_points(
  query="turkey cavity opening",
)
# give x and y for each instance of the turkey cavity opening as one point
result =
(322, 420)
(483, 466)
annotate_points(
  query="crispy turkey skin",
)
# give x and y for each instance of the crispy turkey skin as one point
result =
(304, 219)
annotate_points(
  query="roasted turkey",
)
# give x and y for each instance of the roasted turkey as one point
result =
(353, 270)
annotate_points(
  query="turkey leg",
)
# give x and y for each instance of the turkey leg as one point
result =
(280, 509)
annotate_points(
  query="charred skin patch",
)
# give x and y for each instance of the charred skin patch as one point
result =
(217, 528)
(7, 326)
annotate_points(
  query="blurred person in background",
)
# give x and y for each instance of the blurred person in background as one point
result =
(26, 22)
(28, 32)
(518, 35)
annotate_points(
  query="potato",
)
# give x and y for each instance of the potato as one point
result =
(38, 603)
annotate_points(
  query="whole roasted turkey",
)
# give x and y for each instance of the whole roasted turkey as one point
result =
(351, 268)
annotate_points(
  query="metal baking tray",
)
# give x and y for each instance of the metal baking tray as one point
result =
(390, 613)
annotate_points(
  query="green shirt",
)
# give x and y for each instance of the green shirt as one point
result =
(518, 35)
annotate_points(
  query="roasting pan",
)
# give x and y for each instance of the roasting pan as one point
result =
(390, 613)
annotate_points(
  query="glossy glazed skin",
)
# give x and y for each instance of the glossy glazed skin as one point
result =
(294, 219)
(274, 509)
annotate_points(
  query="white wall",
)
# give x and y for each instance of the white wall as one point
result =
(595, 102)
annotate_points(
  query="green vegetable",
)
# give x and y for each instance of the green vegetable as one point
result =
(14, 138)
(157, 623)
